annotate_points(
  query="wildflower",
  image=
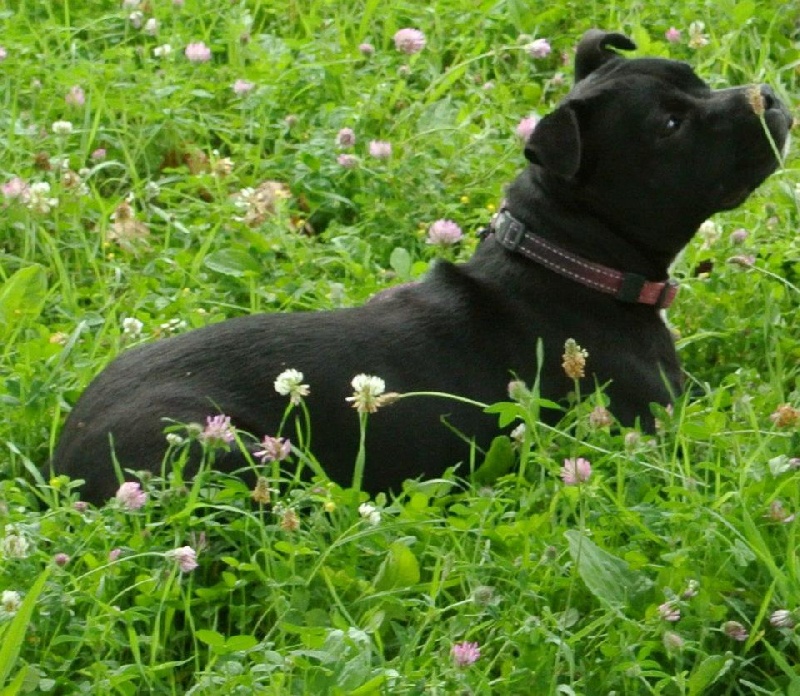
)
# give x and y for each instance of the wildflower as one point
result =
(369, 512)
(672, 641)
(785, 416)
(465, 653)
(162, 51)
(367, 391)
(290, 383)
(242, 87)
(151, 26)
(483, 595)
(347, 161)
(132, 327)
(15, 545)
(743, 260)
(76, 96)
(697, 39)
(126, 229)
(518, 434)
(136, 18)
(220, 167)
(735, 630)
(346, 137)
(574, 359)
(131, 496)
(10, 603)
(38, 200)
(276, 449)
(669, 612)
(61, 559)
(366, 49)
(672, 35)
(782, 618)
(3, 53)
(525, 127)
(329, 506)
(218, 431)
(738, 236)
(172, 326)
(691, 589)
(99, 154)
(198, 52)
(290, 522)
(576, 471)
(710, 233)
(600, 417)
(262, 202)
(261, 492)
(517, 391)
(72, 182)
(114, 554)
(174, 440)
(539, 48)
(62, 127)
(380, 149)
(444, 233)
(15, 188)
(755, 99)
(409, 41)
(778, 513)
(185, 557)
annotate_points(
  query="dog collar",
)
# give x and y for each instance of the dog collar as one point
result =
(626, 287)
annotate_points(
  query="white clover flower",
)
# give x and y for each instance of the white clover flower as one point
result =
(162, 51)
(151, 26)
(10, 603)
(710, 233)
(15, 546)
(369, 512)
(697, 37)
(518, 433)
(62, 127)
(38, 199)
(290, 383)
(136, 18)
(132, 327)
(367, 391)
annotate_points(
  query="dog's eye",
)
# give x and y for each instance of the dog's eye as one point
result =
(672, 124)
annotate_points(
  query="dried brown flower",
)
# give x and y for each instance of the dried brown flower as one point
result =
(574, 359)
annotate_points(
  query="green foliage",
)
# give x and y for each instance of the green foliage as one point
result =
(205, 204)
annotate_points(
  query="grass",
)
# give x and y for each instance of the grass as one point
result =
(566, 589)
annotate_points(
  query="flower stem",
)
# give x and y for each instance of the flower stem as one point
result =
(361, 458)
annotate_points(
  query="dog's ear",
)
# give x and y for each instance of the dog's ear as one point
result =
(555, 143)
(594, 50)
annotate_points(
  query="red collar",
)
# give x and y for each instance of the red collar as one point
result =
(626, 287)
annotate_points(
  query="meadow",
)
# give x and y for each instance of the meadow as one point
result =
(166, 164)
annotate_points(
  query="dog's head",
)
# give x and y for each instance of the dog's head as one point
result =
(646, 142)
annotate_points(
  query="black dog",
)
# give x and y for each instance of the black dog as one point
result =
(621, 175)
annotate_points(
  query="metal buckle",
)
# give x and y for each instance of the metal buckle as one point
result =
(509, 231)
(667, 294)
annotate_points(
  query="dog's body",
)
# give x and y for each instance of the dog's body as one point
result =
(622, 174)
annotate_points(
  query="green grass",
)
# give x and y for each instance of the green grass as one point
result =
(561, 586)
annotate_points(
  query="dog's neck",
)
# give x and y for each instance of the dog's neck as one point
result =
(551, 209)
